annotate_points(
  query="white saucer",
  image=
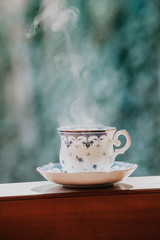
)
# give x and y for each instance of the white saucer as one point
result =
(53, 172)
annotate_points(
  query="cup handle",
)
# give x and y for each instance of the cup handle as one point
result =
(117, 142)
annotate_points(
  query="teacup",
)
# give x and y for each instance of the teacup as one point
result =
(90, 149)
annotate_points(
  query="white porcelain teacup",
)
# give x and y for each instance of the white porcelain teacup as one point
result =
(90, 149)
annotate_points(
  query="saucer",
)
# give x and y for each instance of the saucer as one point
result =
(53, 172)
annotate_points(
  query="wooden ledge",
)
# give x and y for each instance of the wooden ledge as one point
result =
(45, 189)
(42, 210)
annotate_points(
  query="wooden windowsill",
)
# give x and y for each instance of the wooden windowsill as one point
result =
(43, 210)
(33, 190)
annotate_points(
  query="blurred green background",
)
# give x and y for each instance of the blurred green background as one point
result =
(117, 48)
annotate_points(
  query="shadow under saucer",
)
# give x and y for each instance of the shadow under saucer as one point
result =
(56, 188)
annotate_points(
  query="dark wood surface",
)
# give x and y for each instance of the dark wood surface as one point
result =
(42, 210)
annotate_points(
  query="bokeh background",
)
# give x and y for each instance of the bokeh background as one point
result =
(116, 47)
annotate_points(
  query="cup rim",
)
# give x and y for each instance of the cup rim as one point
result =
(85, 129)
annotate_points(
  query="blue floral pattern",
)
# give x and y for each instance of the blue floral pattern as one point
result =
(85, 139)
(56, 167)
(95, 166)
(88, 144)
(79, 159)
(85, 134)
(68, 143)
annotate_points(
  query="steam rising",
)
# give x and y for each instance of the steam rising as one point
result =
(54, 16)
(81, 110)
